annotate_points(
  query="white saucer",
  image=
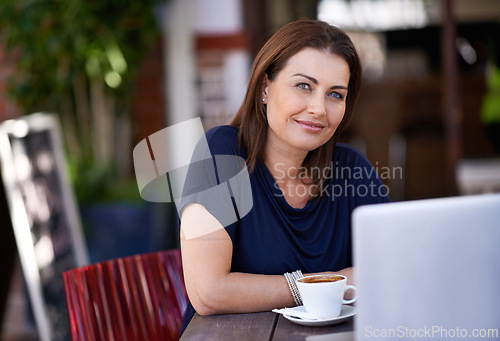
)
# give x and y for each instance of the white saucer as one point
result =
(346, 313)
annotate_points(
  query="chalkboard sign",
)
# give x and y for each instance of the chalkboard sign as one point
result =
(43, 214)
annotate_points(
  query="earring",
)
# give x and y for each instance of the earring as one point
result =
(264, 100)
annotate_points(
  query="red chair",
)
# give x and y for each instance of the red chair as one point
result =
(140, 297)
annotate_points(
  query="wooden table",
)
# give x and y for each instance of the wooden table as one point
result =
(261, 326)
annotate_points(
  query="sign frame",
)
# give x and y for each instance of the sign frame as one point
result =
(16, 166)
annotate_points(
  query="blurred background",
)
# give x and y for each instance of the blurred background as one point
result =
(114, 72)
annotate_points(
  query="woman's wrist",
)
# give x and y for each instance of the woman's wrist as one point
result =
(291, 277)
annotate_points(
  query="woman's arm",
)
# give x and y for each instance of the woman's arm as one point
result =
(212, 289)
(349, 273)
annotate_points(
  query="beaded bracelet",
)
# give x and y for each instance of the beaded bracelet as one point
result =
(291, 278)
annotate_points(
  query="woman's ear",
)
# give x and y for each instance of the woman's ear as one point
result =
(265, 88)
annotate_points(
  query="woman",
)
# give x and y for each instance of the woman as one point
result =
(300, 96)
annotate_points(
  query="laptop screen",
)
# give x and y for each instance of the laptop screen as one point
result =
(428, 269)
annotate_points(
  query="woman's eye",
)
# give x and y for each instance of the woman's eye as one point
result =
(336, 95)
(304, 86)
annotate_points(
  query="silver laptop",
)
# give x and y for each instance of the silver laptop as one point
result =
(428, 269)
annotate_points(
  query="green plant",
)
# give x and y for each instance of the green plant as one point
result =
(79, 59)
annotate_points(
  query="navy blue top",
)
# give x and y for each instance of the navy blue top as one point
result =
(274, 238)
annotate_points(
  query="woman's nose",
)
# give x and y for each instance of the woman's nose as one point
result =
(316, 106)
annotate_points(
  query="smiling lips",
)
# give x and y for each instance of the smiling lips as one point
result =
(310, 126)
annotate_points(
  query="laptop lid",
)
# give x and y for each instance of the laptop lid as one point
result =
(428, 269)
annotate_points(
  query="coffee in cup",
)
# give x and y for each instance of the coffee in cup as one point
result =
(323, 295)
(321, 279)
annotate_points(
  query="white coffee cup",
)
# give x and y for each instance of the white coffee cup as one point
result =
(323, 295)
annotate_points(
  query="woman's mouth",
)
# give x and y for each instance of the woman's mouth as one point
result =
(310, 126)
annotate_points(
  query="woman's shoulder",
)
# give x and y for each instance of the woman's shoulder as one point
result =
(352, 166)
(222, 139)
(225, 132)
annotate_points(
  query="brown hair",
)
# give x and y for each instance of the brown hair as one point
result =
(251, 119)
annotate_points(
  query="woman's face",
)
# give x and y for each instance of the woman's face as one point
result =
(306, 101)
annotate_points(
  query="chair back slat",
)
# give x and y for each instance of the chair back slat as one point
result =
(139, 297)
